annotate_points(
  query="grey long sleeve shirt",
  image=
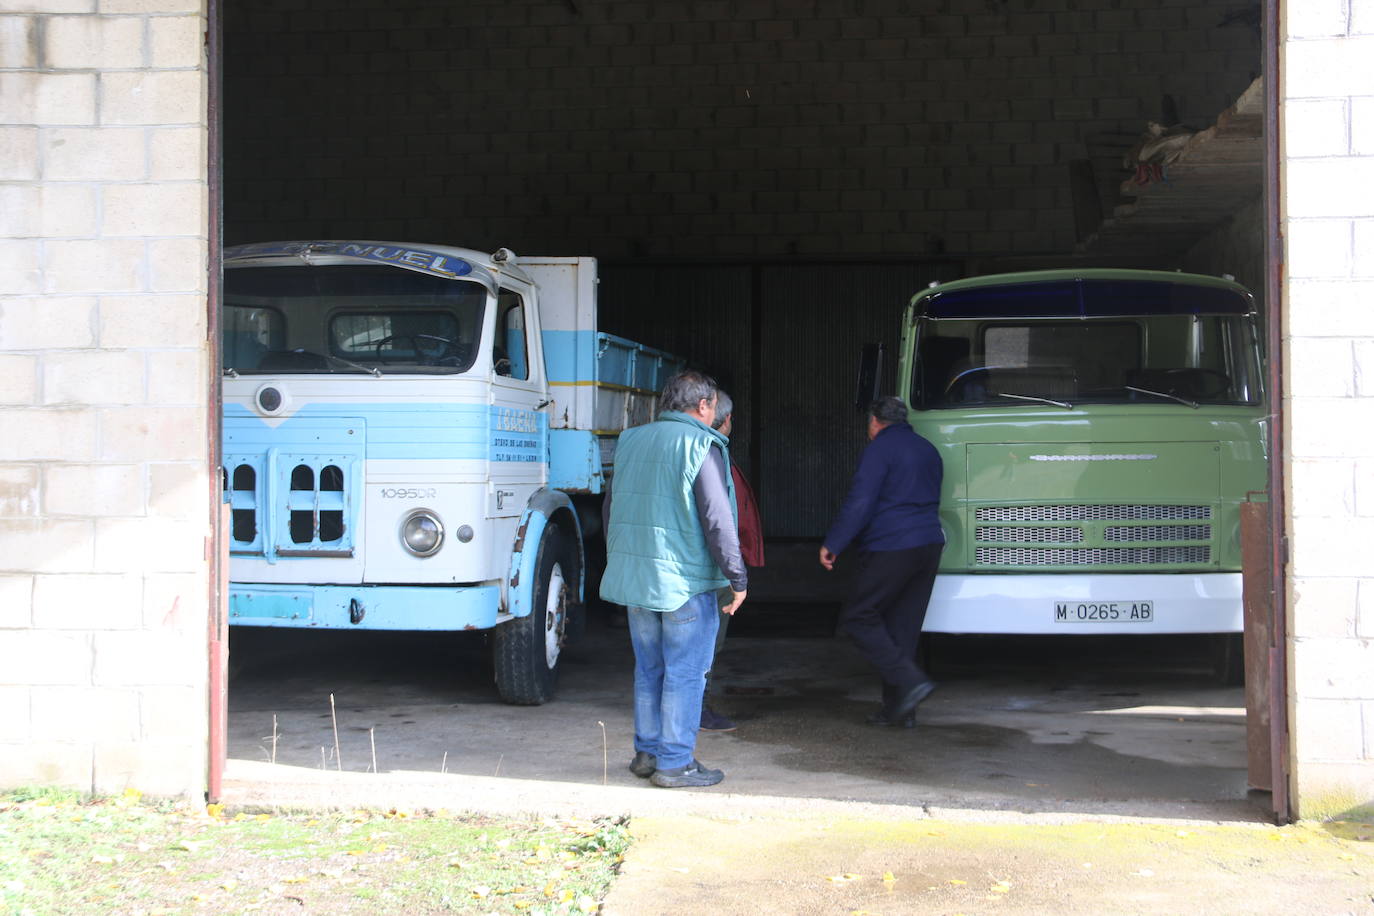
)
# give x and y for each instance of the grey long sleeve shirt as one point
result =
(717, 518)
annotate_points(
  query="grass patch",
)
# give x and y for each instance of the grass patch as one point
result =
(61, 852)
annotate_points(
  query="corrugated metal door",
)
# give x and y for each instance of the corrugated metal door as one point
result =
(702, 313)
(784, 340)
(815, 320)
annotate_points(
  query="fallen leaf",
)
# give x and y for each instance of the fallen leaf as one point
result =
(1145, 873)
(889, 878)
(956, 882)
(102, 860)
(587, 905)
(1001, 887)
(844, 878)
(215, 810)
(480, 891)
(229, 885)
(1347, 856)
(1183, 833)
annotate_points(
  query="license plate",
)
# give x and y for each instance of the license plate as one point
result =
(1104, 612)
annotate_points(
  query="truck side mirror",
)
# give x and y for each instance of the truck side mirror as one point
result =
(870, 375)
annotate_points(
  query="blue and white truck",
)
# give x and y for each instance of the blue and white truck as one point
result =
(414, 437)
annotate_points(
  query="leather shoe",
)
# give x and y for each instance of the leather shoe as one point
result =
(909, 699)
(644, 764)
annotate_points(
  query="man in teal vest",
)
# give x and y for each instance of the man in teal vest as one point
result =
(671, 542)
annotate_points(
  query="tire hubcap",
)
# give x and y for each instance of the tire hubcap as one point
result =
(555, 616)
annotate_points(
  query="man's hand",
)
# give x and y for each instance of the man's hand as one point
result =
(827, 558)
(736, 599)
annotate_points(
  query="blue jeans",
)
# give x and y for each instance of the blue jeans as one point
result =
(673, 649)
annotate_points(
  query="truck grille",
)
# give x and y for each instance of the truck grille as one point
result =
(1158, 533)
(311, 495)
(1091, 513)
(1092, 556)
(1057, 534)
(1095, 540)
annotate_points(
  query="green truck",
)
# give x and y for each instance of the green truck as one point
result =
(1100, 430)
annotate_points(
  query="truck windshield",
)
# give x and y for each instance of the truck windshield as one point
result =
(1182, 359)
(349, 318)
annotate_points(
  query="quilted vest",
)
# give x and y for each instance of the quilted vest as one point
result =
(656, 555)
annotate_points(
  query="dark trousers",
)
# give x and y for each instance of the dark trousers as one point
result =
(886, 607)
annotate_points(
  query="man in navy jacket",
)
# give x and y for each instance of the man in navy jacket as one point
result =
(891, 515)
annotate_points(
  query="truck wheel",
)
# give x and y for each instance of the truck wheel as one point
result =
(526, 650)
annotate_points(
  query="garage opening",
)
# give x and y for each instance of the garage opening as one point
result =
(765, 185)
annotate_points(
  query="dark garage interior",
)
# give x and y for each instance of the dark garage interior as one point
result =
(766, 183)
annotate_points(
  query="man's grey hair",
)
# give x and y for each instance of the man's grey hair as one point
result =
(888, 410)
(724, 407)
(687, 389)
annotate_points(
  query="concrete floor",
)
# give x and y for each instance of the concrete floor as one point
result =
(1036, 726)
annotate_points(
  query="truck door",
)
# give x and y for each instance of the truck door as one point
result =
(518, 445)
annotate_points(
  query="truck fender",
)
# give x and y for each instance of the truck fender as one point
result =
(544, 506)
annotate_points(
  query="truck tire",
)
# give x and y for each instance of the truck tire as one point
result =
(526, 650)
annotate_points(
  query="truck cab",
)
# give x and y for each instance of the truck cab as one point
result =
(409, 434)
(1099, 431)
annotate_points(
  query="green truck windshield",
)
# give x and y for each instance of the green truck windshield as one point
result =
(1086, 343)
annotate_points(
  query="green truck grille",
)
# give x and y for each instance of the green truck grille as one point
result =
(1094, 541)
(1090, 513)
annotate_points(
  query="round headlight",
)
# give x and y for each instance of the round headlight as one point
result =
(422, 533)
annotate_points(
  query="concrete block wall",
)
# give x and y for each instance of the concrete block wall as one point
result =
(1328, 146)
(104, 490)
(705, 128)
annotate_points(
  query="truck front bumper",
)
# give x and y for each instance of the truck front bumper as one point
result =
(1099, 604)
(365, 607)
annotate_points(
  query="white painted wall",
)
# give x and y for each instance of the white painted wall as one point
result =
(104, 490)
(1327, 114)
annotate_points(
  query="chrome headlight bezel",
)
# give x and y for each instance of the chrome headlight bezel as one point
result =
(422, 515)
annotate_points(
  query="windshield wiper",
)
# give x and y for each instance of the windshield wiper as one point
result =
(1164, 394)
(373, 371)
(1028, 397)
(231, 372)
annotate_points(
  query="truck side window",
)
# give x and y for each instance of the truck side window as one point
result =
(509, 351)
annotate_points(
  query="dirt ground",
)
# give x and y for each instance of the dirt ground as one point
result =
(1089, 725)
(1081, 776)
(726, 865)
